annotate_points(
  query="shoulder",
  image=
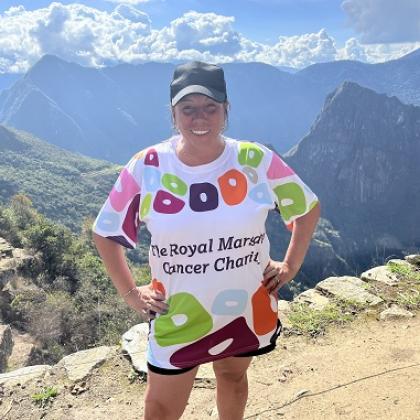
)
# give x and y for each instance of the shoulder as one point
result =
(161, 148)
(251, 153)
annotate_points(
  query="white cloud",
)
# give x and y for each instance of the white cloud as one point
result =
(374, 53)
(205, 32)
(385, 21)
(299, 51)
(91, 37)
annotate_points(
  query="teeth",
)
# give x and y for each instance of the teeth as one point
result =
(200, 132)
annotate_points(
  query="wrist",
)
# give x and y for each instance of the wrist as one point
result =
(291, 267)
(128, 292)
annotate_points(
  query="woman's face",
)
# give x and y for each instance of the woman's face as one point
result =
(199, 117)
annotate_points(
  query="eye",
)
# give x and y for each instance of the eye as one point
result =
(211, 109)
(187, 110)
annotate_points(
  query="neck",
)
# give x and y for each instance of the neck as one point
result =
(194, 153)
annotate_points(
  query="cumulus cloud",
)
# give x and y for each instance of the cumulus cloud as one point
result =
(300, 51)
(384, 21)
(205, 32)
(91, 37)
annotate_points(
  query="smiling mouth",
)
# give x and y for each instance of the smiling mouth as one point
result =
(200, 132)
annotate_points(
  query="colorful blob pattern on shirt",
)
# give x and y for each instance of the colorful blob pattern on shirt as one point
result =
(167, 193)
(188, 321)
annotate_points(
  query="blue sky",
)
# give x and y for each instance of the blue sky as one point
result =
(293, 33)
(262, 20)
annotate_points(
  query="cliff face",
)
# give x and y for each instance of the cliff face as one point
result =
(362, 157)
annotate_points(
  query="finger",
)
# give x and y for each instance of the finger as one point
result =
(273, 283)
(156, 295)
(160, 307)
(268, 276)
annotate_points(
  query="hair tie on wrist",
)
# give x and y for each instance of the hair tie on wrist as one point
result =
(126, 294)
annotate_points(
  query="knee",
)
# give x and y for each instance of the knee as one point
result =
(156, 410)
(237, 379)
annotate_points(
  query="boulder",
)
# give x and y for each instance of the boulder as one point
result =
(381, 274)
(413, 259)
(348, 288)
(313, 298)
(79, 366)
(23, 349)
(283, 306)
(395, 312)
(24, 375)
(6, 346)
(134, 344)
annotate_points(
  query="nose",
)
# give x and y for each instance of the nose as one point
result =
(200, 112)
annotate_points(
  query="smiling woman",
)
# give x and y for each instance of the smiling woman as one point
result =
(204, 198)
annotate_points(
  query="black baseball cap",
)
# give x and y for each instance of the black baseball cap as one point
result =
(198, 77)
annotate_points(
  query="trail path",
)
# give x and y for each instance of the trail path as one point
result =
(365, 370)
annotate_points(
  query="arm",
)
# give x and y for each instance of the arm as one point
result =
(143, 298)
(279, 273)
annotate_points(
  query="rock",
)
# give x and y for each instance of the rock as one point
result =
(413, 259)
(6, 250)
(381, 274)
(134, 343)
(11, 260)
(396, 261)
(24, 375)
(283, 306)
(313, 298)
(22, 352)
(348, 288)
(394, 312)
(79, 365)
(6, 345)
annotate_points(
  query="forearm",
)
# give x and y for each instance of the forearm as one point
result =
(113, 257)
(303, 229)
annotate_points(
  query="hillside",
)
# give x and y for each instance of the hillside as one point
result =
(64, 186)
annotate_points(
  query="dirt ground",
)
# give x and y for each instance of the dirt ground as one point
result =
(365, 370)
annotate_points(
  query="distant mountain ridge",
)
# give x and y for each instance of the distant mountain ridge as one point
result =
(62, 185)
(362, 159)
(113, 112)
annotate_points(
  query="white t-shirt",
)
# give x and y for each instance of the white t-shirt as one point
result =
(208, 246)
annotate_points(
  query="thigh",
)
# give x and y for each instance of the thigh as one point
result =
(169, 392)
(231, 368)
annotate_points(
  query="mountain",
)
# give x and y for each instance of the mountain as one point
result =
(110, 113)
(62, 185)
(8, 79)
(67, 187)
(362, 158)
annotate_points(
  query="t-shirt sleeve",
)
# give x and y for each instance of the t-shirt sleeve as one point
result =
(118, 218)
(292, 196)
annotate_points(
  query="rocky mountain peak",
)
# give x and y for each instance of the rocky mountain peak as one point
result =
(361, 156)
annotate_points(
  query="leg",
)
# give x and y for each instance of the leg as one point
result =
(232, 386)
(167, 395)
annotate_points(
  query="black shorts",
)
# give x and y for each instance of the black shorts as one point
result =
(263, 350)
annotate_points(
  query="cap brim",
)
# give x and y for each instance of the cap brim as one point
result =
(211, 93)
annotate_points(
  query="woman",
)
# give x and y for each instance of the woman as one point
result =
(204, 198)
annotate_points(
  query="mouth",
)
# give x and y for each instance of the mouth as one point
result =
(200, 132)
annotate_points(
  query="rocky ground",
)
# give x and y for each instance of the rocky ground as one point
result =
(364, 365)
(369, 369)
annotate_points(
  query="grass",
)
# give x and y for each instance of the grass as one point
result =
(313, 322)
(45, 397)
(404, 271)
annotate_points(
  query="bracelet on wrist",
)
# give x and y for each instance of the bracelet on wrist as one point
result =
(127, 293)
